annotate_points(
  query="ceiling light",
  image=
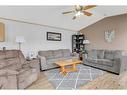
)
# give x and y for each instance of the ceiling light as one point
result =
(78, 14)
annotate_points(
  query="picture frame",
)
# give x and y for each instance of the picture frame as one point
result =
(2, 32)
(53, 36)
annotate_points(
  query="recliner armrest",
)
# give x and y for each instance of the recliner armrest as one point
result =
(33, 61)
(34, 64)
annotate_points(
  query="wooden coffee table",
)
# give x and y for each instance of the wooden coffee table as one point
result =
(64, 63)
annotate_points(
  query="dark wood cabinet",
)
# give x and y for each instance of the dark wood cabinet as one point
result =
(77, 43)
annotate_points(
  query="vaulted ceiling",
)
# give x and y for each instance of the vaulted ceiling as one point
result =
(52, 15)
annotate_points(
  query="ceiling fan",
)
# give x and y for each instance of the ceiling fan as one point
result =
(80, 10)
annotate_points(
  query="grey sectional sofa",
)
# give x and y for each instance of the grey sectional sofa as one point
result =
(47, 58)
(110, 60)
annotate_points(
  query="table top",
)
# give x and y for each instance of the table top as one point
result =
(68, 62)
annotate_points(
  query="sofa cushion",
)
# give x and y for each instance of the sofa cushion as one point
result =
(117, 54)
(100, 54)
(105, 62)
(51, 66)
(13, 61)
(92, 54)
(31, 77)
(8, 62)
(66, 52)
(50, 61)
(57, 53)
(109, 54)
(91, 60)
(29, 80)
(23, 74)
(2, 63)
(8, 79)
(47, 54)
(15, 66)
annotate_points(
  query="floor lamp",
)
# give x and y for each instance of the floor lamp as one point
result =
(85, 42)
(20, 40)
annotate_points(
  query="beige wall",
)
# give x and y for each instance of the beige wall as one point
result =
(95, 33)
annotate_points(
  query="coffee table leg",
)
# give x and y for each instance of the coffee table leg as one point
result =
(63, 71)
(74, 67)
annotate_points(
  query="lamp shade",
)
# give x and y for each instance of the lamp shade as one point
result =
(20, 39)
(86, 42)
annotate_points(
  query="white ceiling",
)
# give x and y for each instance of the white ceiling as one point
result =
(52, 15)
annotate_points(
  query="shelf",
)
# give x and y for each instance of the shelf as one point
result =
(77, 43)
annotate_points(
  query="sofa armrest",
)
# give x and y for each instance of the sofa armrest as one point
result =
(123, 64)
(116, 65)
(33, 61)
(42, 59)
(34, 64)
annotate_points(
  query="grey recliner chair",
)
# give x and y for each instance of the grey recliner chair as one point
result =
(15, 71)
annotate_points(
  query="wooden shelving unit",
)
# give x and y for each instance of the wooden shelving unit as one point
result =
(77, 43)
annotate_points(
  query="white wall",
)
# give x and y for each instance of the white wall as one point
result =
(35, 37)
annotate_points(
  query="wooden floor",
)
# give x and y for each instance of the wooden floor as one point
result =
(107, 81)
(41, 83)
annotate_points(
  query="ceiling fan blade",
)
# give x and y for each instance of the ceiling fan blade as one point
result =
(87, 13)
(74, 18)
(68, 12)
(89, 7)
(78, 7)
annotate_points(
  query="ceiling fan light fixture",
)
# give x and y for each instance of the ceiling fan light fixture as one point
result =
(79, 13)
(80, 10)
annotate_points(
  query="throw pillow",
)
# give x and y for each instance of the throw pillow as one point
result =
(100, 54)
